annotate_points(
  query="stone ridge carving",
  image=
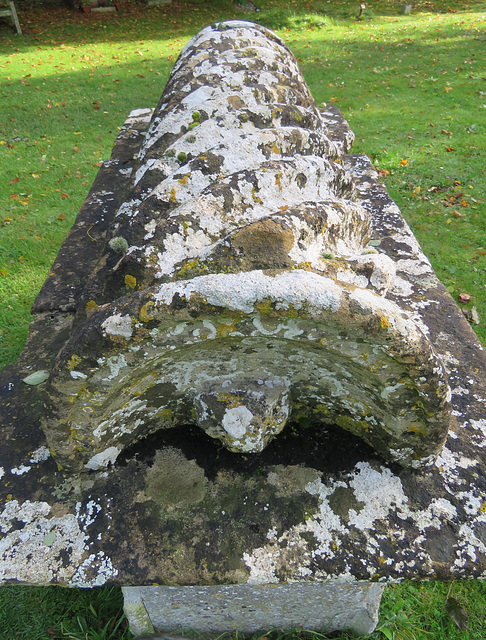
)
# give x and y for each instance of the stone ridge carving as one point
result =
(237, 288)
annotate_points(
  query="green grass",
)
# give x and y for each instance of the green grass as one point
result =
(413, 89)
(41, 613)
(408, 612)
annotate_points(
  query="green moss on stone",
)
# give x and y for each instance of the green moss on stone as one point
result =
(343, 500)
(173, 481)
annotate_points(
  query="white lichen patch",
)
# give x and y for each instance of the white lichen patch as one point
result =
(179, 247)
(34, 554)
(115, 364)
(103, 459)
(150, 229)
(40, 548)
(129, 208)
(77, 375)
(19, 471)
(395, 317)
(351, 277)
(262, 565)
(469, 545)
(118, 325)
(383, 270)
(236, 421)
(401, 287)
(95, 571)
(241, 291)
(480, 427)
(122, 421)
(377, 494)
(414, 267)
(448, 462)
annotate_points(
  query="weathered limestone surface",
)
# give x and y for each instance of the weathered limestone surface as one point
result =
(223, 261)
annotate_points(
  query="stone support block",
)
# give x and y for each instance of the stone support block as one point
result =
(324, 607)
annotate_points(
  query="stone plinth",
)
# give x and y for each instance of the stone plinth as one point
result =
(332, 605)
(242, 369)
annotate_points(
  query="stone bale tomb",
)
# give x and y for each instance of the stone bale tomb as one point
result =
(243, 381)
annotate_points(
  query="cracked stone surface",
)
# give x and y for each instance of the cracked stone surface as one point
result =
(242, 368)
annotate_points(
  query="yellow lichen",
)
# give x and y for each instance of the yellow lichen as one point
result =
(415, 428)
(232, 401)
(192, 268)
(165, 415)
(224, 329)
(76, 439)
(376, 366)
(255, 197)
(83, 393)
(73, 362)
(265, 306)
(322, 410)
(350, 424)
(304, 265)
(292, 312)
(145, 311)
(130, 281)
(384, 322)
(97, 398)
(91, 306)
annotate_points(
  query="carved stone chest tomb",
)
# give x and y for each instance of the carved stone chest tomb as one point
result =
(242, 376)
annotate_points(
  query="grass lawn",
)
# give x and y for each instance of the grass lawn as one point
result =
(413, 88)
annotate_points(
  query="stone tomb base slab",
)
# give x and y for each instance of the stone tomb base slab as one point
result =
(178, 508)
(325, 606)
